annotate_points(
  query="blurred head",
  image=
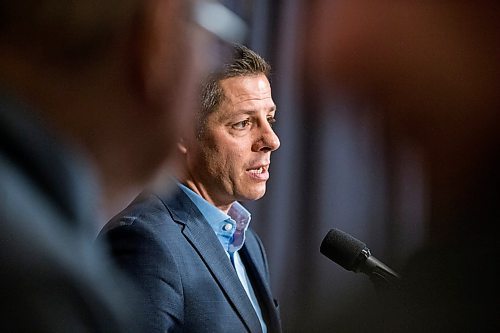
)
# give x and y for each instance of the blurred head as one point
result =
(229, 158)
(114, 78)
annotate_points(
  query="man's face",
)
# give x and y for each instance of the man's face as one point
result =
(232, 158)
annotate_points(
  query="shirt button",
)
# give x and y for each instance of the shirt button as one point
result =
(228, 227)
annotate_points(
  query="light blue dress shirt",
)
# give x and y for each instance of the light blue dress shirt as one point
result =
(230, 230)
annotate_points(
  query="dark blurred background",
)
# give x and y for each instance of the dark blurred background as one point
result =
(332, 171)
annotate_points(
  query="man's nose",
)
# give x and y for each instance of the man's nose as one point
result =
(268, 140)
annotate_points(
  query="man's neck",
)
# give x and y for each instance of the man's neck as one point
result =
(199, 189)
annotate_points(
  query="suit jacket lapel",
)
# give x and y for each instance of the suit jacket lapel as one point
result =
(204, 240)
(261, 287)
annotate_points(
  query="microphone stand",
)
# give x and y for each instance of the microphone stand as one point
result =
(382, 277)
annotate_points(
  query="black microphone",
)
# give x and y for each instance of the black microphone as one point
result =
(353, 255)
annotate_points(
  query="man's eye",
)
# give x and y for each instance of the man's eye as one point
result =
(271, 120)
(241, 124)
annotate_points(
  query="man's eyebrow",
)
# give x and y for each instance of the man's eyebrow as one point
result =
(250, 111)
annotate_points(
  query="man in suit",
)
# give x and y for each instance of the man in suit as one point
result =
(88, 105)
(201, 268)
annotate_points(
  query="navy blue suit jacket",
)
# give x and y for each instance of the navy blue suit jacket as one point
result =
(170, 250)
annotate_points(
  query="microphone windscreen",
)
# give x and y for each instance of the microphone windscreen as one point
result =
(342, 248)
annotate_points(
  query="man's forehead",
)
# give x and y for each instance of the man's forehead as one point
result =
(244, 87)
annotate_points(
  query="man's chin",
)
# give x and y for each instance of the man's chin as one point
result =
(252, 196)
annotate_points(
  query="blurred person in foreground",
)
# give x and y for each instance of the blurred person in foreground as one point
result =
(431, 72)
(92, 98)
(192, 252)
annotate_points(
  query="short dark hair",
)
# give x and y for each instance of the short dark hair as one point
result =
(244, 62)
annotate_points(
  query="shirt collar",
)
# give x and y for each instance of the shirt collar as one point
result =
(230, 228)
